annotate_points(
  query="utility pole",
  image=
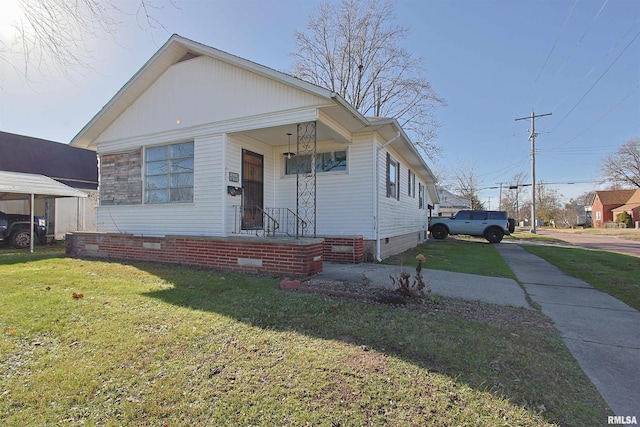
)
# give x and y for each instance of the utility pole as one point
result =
(533, 166)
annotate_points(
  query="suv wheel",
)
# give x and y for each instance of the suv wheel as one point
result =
(494, 235)
(439, 232)
(21, 239)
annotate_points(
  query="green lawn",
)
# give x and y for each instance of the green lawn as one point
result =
(613, 273)
(459, 254)
(154, 345)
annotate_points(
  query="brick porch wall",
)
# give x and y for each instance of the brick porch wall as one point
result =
(343, 249)
(298, 258)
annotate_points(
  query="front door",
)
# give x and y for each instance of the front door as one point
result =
(252, 190)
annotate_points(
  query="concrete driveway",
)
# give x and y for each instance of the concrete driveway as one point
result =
(592, 241)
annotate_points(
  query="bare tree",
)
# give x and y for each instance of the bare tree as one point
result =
(548, 203)
(623, 166)
(353, 48)
(467, 186)
(51, 35)
(513, 196)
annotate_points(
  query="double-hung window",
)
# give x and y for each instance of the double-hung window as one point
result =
(169, 173)
(411, 184)
(393, 178)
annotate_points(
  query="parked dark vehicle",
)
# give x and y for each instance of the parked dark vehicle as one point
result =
(14, 228)
(493, 225)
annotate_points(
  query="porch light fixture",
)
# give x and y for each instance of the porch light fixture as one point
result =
(288, 154)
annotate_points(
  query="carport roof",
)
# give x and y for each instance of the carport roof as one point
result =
(16, 186)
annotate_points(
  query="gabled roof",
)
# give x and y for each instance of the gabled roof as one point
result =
(450, 200)
(632, 203)
(72, 166)
(614, 197)
(179, 48)
(175, 50)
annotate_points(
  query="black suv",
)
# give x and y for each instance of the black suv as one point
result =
(14, 228)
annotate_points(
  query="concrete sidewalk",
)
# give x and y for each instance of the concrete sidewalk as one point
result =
(492, 290)
(602, 333)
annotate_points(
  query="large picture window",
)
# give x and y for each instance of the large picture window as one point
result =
(169, 173)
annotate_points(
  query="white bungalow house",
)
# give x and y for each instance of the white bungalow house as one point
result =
(203, 143)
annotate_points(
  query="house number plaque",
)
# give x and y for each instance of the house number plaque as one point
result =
(234, 177)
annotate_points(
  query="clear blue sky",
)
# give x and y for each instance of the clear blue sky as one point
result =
(492, 61)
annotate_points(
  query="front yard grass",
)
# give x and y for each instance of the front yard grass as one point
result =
(459, 254)
(150, 344)
(613, 273)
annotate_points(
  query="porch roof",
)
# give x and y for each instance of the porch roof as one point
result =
(19, 186)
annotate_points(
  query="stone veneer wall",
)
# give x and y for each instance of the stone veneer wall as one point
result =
(121, 178)
(299, 258)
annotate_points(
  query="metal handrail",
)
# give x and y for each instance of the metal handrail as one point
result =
(278, 221)
(276, 224)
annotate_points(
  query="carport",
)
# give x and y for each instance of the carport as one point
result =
(27, 186)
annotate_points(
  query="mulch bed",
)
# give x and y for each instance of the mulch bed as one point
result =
(469, 310)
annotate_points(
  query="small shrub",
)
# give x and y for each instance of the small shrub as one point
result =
(624, 218)
(408, 287)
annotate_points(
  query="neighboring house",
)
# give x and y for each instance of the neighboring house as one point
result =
(604, 202)
(631, 206)
(450, 203)
(71, 166)
(203, 143)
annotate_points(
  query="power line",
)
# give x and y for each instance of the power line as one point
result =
(595, 83)
(601, 118)
(564, 26)
(598, 62)
(595, 18)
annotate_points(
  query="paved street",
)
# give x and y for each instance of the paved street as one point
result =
(592, 241)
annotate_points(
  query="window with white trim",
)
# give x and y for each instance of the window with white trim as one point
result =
(330, 161)
(393, 178)
(420, 196)
(411, 184)
(169, 173)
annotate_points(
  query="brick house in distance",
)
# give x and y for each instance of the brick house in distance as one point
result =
(632, 207)
(605, 202)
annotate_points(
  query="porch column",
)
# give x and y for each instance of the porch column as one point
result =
(306, 179)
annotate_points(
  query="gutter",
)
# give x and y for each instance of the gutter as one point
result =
(377, 195)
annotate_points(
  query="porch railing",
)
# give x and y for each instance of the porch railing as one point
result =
(268, 222)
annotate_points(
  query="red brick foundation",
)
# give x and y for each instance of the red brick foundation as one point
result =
(299, 258)
(343, 249)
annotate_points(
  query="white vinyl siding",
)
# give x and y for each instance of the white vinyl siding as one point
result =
(344, 198)
(398, 217)
(201, 91)
(202, 217)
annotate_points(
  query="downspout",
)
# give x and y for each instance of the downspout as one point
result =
(377, 195)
